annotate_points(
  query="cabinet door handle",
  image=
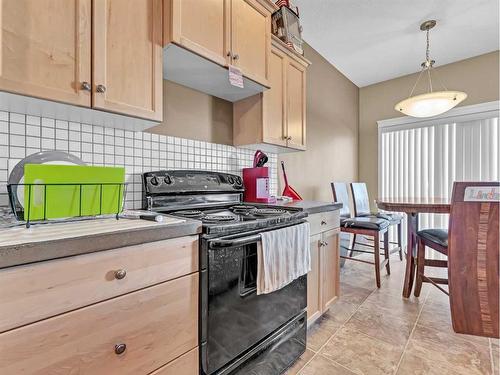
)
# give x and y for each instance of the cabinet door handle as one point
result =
(86, 86)
(229, 54)
(120, 274)
(101, 88)
(120, 348)
(236, 56)
(323, 222)
(290, 138)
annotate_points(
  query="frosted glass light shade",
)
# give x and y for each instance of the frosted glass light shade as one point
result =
(430, 104)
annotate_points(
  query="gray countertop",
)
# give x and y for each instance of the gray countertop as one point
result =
(20, 245)
(311, 207)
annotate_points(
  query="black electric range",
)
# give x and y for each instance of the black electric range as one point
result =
(240, 332)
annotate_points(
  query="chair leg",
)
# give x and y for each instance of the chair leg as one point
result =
(420, 267)
(400, 240)
(376, 241)
(386, 252)
(353, 245)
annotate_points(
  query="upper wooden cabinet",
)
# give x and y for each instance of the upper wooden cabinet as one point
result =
(275, 119)
(46, 53)
(227, 32)
(45, 49)
(127, 58)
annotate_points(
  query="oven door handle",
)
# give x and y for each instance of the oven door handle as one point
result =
(222, 244)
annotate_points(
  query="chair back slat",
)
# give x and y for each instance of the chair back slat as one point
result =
(360, 199)
(473, 258)
(340, 194)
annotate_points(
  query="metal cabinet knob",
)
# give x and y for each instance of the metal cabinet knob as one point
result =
(229, 54)
(120, 348)
(236, 56)
(100, 88)
(323, 222)
(120, 274)
(86, 86)
(323, 243)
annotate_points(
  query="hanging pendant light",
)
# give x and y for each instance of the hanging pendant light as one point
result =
(432, 103)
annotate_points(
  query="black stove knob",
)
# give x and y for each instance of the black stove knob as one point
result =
(238, 180)
(167, 180)
(231, 180)
(154, 181)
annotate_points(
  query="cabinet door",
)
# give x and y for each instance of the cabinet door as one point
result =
(202, 27)
(127, 57)
(45, 49)
(251, 39)
(329, 260)
(274, 101)
(296, 105)
(313, 282)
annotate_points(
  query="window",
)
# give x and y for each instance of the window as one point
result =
(422, 157)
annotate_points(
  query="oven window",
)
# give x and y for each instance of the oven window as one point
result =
(248, 274)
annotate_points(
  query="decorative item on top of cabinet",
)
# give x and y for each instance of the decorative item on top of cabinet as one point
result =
(46, 53)
(323, 281)
(275, 120)
(202, 38)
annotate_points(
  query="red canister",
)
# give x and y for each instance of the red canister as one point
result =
(256, 182)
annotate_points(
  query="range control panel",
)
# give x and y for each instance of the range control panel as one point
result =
(186, 181)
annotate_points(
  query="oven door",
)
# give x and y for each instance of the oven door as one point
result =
(233, 318)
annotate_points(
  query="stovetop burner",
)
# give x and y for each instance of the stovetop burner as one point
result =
(265, 212)
(193, 214)
(242, 209)
(218, 218)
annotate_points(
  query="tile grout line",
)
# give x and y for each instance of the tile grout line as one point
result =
(411, 334)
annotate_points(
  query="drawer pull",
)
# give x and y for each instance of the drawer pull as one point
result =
(323, 222)
(120, 348)
(120, 274)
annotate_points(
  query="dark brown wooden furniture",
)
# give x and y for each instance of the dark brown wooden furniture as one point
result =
(361, 202)
(412, 207)
(436, 239)
(373, 227)
(473, 258)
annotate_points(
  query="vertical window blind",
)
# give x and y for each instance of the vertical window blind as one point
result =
(424, 160)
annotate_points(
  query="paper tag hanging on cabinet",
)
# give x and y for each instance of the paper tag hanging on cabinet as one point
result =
(235, 76)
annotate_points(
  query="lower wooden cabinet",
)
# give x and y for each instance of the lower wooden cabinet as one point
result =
(323, 283)
(186, 364)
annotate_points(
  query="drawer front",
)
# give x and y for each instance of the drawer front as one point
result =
(186, 364)
(324, 221)
(157, 324)
(41, 290)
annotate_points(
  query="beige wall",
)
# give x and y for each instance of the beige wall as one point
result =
(191, 114)
(332, 133)
(477, 76)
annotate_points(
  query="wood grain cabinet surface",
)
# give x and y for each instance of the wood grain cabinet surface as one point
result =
(133, 334)
(46, 49)
(102, 54)
(323, 281)
(275, 119)
(227, 32)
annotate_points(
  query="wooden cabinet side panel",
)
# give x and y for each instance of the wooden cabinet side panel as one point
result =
(313, 282)
(156, 324)
(251, 39)
(45, 49)
(202, 27)
(296, 105)
(128, 57)
(53, 287)
(248, 117)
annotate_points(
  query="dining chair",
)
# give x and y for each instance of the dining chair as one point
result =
(374, 227)
(361, 202)
(473, 258)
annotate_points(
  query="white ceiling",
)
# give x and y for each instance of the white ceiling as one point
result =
(371, 41)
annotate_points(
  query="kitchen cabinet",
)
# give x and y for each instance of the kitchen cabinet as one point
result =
(100, 54)
(323, 281)
(275, 120)
(46, 49)
(202, 38)
(127, 57)
(131, 310)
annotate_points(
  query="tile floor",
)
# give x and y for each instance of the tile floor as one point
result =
(375, 331)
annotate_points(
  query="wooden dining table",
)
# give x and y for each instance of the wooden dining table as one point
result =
(412, 207)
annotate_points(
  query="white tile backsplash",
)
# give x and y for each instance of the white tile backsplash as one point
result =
(138, 152)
